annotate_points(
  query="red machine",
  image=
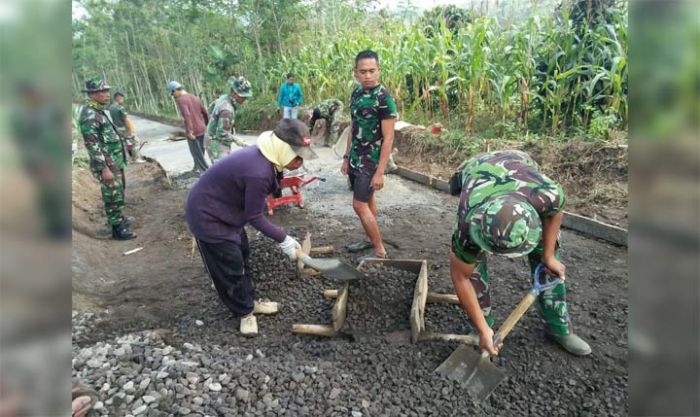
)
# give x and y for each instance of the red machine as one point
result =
(295, 184)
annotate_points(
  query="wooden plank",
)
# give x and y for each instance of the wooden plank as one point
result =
(322, 250)
(305, 247)
(420, 293)
(314, 329)
(595, 228)
(340, 308)
(468, 339)
(442, 298)
(330, 294)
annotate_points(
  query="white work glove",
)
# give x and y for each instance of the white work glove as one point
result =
(290, 246)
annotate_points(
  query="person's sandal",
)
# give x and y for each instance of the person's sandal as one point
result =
(372, 255)
(358, 246)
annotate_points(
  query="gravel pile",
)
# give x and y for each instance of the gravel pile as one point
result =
(201, 366)
(380, 303)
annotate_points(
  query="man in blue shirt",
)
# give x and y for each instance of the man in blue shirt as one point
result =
(290, 97)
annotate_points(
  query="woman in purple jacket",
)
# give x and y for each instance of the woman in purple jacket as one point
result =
(230, 195)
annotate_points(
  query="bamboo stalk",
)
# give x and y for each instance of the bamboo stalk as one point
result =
(442, 298)
(340, 308)
(322, 250)
(314, 329)
(468, 339)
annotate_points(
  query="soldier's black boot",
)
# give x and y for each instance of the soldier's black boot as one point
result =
(122, 232)
(128, 221)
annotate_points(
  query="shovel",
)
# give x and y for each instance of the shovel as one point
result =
(332, 268)
(475, 370)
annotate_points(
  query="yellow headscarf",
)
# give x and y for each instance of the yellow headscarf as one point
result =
(275, 150)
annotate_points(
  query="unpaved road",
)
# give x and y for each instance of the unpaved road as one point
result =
(164, 287)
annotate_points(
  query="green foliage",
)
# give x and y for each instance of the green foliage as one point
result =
(259, 113)
(551, 75)
(601, 125)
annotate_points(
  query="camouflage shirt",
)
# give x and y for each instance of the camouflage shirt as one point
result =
(368, 109)
(498, 173)
(118, 113)
(325, 108)
(102, 142)
(222, 119)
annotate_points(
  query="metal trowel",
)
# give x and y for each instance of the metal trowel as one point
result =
(331, 268)
(478, 374)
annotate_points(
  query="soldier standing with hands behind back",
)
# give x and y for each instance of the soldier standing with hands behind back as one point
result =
(107, 155)
(125, 128)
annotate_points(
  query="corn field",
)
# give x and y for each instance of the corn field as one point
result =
(549, 75)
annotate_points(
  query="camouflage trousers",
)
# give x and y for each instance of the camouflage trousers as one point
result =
(551, 305)
(113, 192)
(216, 148)
(113, 197)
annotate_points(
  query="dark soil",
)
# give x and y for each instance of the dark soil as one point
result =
(165, 286)
(594, 175)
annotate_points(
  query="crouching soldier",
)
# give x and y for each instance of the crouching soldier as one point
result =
(508, 208)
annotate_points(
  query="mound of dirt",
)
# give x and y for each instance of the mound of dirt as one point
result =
(594, 175)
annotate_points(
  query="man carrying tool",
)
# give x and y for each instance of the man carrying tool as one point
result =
(507, 207)
(107, 155)
(125, 128)
(220, 132)
(374, 113)
(327, 111)
(232, 194)
(195, 117)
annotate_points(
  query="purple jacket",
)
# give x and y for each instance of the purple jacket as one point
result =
(230, 194)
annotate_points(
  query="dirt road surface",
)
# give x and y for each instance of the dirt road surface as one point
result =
(120, 300)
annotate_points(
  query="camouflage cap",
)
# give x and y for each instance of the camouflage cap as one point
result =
(240, 86)
(506, 225)
(95, 84)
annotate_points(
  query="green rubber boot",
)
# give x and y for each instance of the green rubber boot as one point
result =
(572, 344)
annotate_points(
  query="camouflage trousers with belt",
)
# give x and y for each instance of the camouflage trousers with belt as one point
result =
(551, 305)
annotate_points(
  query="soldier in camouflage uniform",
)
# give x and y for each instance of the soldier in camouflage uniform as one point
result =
(327, 111)
(374, 113)
(125, 128)
(107, 154)
(507, 207)
(221, 128)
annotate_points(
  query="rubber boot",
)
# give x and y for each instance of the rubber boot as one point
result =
(266, 307)
(122, 232)
(249, 325)
(128, 221)
(572, 344)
